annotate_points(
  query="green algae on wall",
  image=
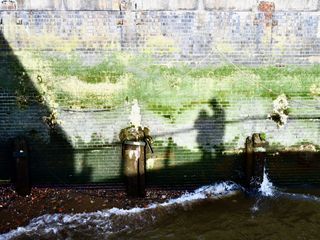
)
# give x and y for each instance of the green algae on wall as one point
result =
(171, 88)
(175, 94)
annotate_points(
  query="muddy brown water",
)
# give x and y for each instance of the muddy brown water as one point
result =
(238, 217)
(219, 211)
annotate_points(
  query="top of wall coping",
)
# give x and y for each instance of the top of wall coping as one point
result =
(156, 5)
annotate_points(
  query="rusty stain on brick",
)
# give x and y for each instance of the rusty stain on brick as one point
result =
(267, 8)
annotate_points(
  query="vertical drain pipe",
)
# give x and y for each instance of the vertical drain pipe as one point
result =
(255, 149)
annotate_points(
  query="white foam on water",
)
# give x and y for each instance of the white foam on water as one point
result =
(300, 196)
(211, 191)
(103, 220)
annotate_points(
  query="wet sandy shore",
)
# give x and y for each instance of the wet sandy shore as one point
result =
(17, 211)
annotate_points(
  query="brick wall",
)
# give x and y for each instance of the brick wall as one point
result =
(191, 37)
(199, 118)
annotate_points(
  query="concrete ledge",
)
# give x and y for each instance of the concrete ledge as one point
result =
(131, 5)
(104, 4)
(236, 5)
(164, 4)
(243, 5)
(247, 5)
(39, 5)
(8, 5)
(150, 5)
(296, 5)
(62, 4)
(183, 4)
(91, 5)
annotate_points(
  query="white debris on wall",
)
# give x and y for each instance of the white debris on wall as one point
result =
(280, 110)
(135, 115)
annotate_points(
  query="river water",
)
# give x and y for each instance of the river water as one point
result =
(219, 211)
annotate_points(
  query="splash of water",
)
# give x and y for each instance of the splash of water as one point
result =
(266, 188)
(135, 115)
(256, 206)
(113, 220)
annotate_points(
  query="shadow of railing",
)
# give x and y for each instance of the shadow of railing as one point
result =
(175, 165)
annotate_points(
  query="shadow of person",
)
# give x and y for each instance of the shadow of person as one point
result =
(210, 132)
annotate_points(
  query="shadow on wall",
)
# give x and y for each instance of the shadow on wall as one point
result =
(55, 160)
(22, 110)
(208, 164)
(211, 130)
(296, 165)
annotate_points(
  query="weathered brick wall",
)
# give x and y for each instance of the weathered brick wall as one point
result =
(199, 120)
(191, 37)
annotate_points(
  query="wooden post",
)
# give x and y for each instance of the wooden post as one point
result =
(142, 171)
(249, 161)
(134, 167)
(21, 166)
(255, 160)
